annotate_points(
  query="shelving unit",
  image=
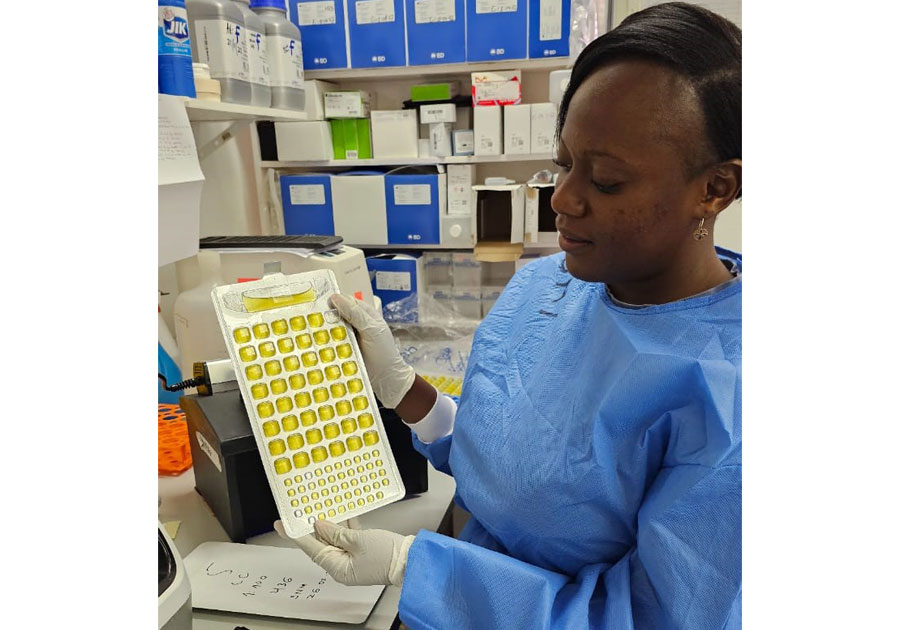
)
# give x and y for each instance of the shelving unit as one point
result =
(211, 111)
(459, 159)
(412, 72)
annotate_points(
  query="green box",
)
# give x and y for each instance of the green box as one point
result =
(434, 91)
(349, 135)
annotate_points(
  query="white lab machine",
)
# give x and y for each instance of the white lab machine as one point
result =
(174, 586)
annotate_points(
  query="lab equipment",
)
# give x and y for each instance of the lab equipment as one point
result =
(257, 56)
(284, 53)
(174, 596)
(309, 399)
(173, 448)
(218, 39)
(598, 449)
(175, 72)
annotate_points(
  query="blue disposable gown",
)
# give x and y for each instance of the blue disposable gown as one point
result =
(598, 449)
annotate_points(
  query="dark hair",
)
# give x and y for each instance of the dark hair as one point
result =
(697, 44)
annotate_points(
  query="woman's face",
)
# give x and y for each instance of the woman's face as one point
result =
(625, 204)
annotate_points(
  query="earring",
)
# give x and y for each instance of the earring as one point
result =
(701, 232)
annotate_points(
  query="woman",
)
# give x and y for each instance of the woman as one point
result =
(597, 443)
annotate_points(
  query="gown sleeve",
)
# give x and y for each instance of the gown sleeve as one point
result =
(683, 572)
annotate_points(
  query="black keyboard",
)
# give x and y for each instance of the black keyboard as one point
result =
(314, 242)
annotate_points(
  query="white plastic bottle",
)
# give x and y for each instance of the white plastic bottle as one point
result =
(197, 330)
(260, 92)
(218, 38)
(285, 55)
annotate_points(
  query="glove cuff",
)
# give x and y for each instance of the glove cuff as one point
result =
(398, 562)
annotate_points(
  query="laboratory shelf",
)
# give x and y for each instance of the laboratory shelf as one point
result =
(457, 159)
(211, 111)
(412, 72)
(412, 246)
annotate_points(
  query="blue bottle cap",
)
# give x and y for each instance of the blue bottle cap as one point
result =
(267, 4)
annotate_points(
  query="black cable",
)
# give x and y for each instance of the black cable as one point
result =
(177, 387)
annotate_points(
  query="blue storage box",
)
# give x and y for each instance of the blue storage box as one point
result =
(397, 279)
(322, 36)
(414, 207)
(548, 28)
(435, 31)
(377, 37)
(496, 29)
(307, 205)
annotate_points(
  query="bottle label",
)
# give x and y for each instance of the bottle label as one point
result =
(259, 59)
(173, 32)
(223, 45)
(285, 61)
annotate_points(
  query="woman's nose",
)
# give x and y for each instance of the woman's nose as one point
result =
(566, 199)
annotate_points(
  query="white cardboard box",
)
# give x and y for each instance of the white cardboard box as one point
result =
(463, 142)
(347, 104)
(437, 113)
(359, 209)
(517, 129)
(543, 127)
(460, 178)
(499, 217)
(496, 88)
(302, 141)
(395, 134)
(488, 130)
(439, 139)
(314, 93)
(539, 214)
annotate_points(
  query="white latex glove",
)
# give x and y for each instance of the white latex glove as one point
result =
(356, 557)
(391, 377)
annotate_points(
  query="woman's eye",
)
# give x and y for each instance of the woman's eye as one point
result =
(606, 188)
(562, 165)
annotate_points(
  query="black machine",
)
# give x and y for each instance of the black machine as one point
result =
(228, 469)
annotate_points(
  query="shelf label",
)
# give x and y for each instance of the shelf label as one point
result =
(374, 11)
(259, 58)
(432, 11)
(412, 195)
(393, 281)
(551, 20)
(285, 62)
(315, 13)
(210, 452)
(308, 195)
(496, 6)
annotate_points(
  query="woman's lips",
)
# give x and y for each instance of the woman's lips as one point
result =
(569, 242)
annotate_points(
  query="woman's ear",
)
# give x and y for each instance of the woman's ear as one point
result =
(723, 185)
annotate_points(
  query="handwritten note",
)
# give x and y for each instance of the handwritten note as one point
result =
(273, 581)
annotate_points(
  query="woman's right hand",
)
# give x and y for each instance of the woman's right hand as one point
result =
(389, 374)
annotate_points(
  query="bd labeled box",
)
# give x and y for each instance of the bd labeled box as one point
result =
(415, 204)
(496, 30)
(377, 33)
(397, 279)
(548, 28)
(435, 31)
(322, 34)
(307, 205)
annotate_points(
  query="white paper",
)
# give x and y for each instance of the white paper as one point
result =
(176, 149)
(315, 13)
(345, 105)
(210, 452)
(496, 6)
(412, 195)
(273, 581)
(307, 195)
(374, 11)
(504, 92)
(393, 281)
(430, 11)
(551, 20)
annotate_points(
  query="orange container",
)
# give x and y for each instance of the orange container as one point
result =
(174, 447)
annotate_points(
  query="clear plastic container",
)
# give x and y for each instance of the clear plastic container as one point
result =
(218, 38)
(284, 53)
(257, 54)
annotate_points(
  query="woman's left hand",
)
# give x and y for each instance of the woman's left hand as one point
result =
(356, 557)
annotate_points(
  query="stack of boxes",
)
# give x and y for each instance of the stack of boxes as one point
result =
(386, 33)
(462, 284)
(348, 114)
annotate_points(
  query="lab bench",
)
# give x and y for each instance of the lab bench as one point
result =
(181, 502)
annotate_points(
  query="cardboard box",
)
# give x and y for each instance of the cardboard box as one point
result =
(548, 28)
(314, 94)
(464, 142)
(439, 143)
(321, 24)
(347, 104)
(395, 279)
(488, 130)
(437, 113)
(460, 179)
(517, 129)
(395, 133)
(360, 209)
(377, 33)
(467, 302)
(414, 206)
(435, 31)
(466, 270)
(543, 128)
(496, 30)
(306, 202)
(499, 215)
(434, 91)
(350, 138)
(496, 88)
(540, 220)
(303, 141)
